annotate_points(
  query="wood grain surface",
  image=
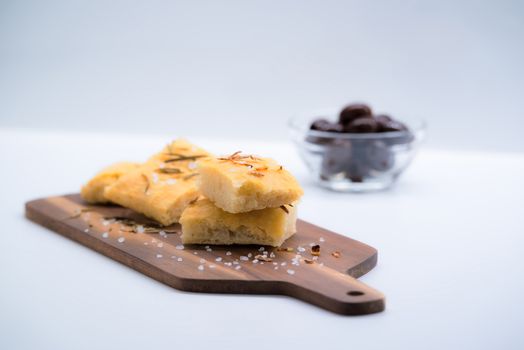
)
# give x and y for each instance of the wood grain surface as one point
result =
(131, 239)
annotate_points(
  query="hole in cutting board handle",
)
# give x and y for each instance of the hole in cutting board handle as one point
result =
(355, 293)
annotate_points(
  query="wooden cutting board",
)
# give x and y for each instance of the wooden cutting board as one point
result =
(135, 241)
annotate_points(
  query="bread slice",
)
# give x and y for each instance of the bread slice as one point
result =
(163, 186)
(204, 223)
(241, 183)
(93, 191)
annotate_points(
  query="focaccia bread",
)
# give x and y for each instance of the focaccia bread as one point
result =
(93, 191)
(163, 186)
(204, 223)
(241, 183)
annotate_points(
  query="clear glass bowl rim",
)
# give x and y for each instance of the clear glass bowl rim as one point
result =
(301, 124)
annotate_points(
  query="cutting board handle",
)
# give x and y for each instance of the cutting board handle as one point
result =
(337, 292)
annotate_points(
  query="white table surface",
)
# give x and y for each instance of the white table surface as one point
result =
(450, 237)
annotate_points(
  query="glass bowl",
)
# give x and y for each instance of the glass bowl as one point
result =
(354, 162)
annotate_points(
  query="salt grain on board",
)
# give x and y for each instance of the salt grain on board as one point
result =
(201, 267)
(105, 235)
(179, 247)
(121, 239)
(291, 272)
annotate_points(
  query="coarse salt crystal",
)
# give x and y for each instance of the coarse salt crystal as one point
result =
(283, 264)
(140, 229)
(162, 233)
(272, 255)
(275, 263)
(121, 239)
(105, 222)
(219, 259)
(276, 267)
(196, 253)
(301, 249)
(105, 234)
(206, 246)
(86, 230)
(179, 259)
(201, 267)
(228, 264)
(228, 253)
(255, 261)
(291, 272)
(238, 267)
(321, 239)
(179, 247)
(212, 266)
(249, 255)
(244, 258)
(154, 177)
(209, 250)
(235, 262)
(160, 245)
(261, 249)
(159, 256)
(202, 261)
(238, 183)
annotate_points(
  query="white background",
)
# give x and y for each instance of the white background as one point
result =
(233, 68)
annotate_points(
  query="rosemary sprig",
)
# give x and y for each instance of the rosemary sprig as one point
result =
(149, 227)
(169, 170)
(283, 207)
(187, 177)
(147, 183)
(181, 157)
